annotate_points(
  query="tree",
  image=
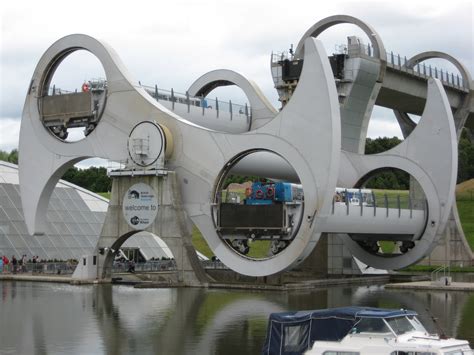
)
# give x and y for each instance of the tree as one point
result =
(393, 179)
(466, 157)
(381, 144)
(94, 178)
(11, 157)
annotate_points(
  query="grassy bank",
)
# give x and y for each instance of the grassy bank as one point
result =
(104, 194)
(430, 268)
(466, 215)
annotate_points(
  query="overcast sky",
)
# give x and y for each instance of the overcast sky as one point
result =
(171, 43)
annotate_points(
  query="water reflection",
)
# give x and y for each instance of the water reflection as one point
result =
(38, 318)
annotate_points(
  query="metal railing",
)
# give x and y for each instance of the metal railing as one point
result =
(161, 265)
(53, 91)
(398, 62)
(280, 56)
(56, 268)
(67, 268)
(149, 266)
(205, 103)
(210, 264)
(445, 269)
(370, 201)
(394, 61)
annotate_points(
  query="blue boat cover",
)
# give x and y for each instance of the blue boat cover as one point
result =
(293, 333)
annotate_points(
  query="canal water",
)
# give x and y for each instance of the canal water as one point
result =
(45, 318)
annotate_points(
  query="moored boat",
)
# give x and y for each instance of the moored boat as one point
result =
(356, 331)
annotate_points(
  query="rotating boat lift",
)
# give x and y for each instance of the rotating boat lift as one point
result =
(176, 165)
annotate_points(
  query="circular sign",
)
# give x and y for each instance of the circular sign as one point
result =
(140, 206)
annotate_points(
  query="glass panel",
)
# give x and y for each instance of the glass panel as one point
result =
(73, 228)
(93, 239)
(88, 230)
(100, 217)
(370, 325)
(67, 217)
(17, 241)
(53, 216)
(14, 197)
(59, 242)
(82, 242)
(20, 227)
(52, 253)
(80, 203)
(61, 193)
(417, 324)
(78, 217)
(400, 325)
(2, 191)
(10, 190)
(295, 338)
(13, 214)
(4, 241)
(62, 229)
(45, 242)
(79, 231)
(6, 203)
(51, 229)
(54, 204)
(71, 242)
(96, 228)
(3, 215)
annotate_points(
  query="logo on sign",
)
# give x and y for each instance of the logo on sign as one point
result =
(133, 194)
(140, 206)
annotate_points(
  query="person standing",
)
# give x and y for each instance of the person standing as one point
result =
(14, 264)
(23, 263)
(1, 265)
(6, 264)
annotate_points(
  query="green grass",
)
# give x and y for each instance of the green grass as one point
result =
(200, 243)
(430, 268)
(258, 249)
(466, 215)
(104, 194)
(387, 246)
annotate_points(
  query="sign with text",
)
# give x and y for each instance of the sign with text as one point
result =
(140, 206)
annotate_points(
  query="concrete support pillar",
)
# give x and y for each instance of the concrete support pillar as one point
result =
(170, 224)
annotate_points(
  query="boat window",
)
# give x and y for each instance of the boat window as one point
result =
(400, 325)
(411, 353)
(296, 338)
(417, 324)
(370, 325)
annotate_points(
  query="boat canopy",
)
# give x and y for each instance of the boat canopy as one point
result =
(292, 333)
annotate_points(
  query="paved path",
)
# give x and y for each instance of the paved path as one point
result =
(47, 278)
(428, 285)
(36, 277)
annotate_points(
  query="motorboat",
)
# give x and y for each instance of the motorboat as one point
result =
(356, 331)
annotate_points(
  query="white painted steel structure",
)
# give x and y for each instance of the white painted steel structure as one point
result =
(275, 144)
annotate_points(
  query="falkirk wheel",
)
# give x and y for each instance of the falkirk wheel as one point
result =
(307, 151)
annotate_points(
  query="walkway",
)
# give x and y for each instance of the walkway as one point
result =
(429, 285)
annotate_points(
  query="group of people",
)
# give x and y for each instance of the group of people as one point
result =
(15, 265)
